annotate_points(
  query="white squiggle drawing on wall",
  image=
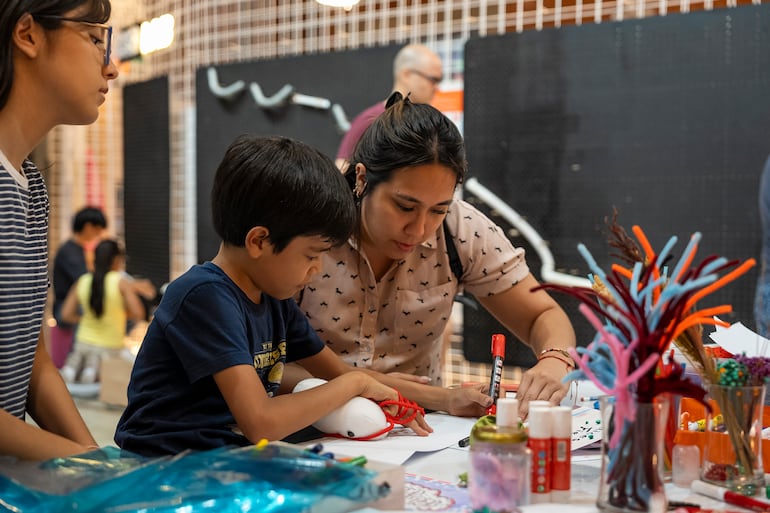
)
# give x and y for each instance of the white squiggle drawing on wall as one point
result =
(548, 272)
(286, 95)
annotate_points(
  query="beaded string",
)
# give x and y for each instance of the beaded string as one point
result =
(732, 373)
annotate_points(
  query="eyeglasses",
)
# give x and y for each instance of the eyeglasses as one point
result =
(430, 78)
(103, 43)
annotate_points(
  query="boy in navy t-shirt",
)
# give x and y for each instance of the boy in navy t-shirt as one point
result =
(209, 369)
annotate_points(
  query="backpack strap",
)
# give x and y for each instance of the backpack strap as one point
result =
(454, 259)
(457, 267)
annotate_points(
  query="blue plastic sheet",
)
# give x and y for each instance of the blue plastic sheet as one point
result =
(276, 478)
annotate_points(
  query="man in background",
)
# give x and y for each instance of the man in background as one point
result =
(74, 258)
(417, 72)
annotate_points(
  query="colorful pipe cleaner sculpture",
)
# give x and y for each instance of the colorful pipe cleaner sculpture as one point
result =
(644, 309)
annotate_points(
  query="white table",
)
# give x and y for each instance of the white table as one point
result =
(447, 464)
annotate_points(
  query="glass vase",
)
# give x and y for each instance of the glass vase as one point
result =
(632, 462)
(732, 455)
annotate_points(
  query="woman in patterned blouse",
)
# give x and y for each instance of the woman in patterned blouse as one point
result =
(386, 295)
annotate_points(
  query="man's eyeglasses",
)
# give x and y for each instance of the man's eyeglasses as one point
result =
(104, 43)
(430, 78)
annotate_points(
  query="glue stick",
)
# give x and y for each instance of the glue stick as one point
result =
(539, 402)
(507, 412)
(561, 446)
(540, 431)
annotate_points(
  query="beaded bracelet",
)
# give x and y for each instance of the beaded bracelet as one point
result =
(570, 362)
(569, 366)
(563, 352)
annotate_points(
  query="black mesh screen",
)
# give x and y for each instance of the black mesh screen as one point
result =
(665, 118)
(354, 80)
(146, 168)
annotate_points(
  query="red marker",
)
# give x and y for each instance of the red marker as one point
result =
(730, 497)
(498, 355)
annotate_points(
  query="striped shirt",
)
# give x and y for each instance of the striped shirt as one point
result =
(23, 278)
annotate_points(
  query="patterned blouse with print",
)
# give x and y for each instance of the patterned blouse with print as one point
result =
(395, 325)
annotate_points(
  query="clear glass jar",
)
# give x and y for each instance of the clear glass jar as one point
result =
(499, 475)
(632, 456)
(732, 455)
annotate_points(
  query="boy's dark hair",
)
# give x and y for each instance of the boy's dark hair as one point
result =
(87, 215)
(97, 11)
(104, 256)
(407, 135)
(284, 185)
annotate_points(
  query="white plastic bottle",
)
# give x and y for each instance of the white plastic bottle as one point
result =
(685, 465)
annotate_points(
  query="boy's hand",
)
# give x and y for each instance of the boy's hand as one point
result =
(378, 392)
(420, 426)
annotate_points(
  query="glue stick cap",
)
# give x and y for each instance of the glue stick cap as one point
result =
(540, 423)
(562, 421)
(507, 414)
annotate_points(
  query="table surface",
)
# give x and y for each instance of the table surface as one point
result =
(447, 464)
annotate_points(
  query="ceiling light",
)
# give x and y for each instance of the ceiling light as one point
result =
(347, 4)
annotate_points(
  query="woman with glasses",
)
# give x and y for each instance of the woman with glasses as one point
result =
(385, 297)
(55, 69)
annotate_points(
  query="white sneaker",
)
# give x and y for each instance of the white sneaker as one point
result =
(68, 374)
(88, 375)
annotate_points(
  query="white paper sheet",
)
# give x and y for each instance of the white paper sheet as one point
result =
(402, 443)
(586, 427)
(738, 339)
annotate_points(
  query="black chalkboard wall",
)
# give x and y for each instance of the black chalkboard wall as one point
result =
(665, 118)
(146, 179)
(352, 79)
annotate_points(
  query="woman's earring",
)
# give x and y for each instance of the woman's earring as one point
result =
(359, 190)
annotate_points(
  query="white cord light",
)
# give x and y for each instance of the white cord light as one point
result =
(346, 4)
(548, 272)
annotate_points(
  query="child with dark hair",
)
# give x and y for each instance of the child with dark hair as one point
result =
(73, 259)
(210, 369)
(54, 69)
(107, 298)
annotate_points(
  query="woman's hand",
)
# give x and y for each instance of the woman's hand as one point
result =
(470, 401)
(542, 382)
(425, 380)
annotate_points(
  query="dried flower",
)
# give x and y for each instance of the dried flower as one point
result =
(757, 369)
